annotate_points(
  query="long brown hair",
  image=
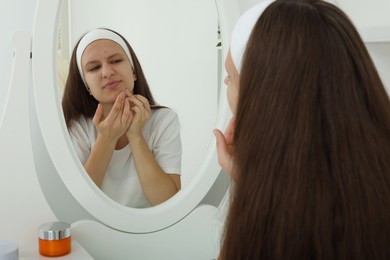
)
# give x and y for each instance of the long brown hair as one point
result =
(312, 141)
(76, 99)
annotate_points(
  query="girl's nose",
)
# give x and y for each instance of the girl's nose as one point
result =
(107, 71)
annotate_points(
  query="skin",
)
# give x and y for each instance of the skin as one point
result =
(232, 82)
(225, 140)
(119, 119)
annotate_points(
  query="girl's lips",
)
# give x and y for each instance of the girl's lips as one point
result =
(112, 84)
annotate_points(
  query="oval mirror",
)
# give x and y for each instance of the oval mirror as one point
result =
(67, 188)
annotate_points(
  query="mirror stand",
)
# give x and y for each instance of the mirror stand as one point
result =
(194, 237)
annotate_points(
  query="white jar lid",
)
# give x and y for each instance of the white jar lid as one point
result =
(54, 231)
(8, 251)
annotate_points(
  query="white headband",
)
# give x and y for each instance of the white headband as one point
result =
(99, 34)
(242, 31)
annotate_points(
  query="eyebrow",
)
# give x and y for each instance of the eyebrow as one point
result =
(109, 57)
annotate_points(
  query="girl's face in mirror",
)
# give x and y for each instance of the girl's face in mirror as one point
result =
(107, 70)
(232, 81)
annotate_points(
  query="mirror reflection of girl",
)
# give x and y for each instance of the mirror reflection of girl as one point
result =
(309, 145)
(129, 146)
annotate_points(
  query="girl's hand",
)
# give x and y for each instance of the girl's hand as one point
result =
(225, 148)
(117, 121)
(141, 112)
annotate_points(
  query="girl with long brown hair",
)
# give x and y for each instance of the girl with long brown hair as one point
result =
(129, 146)
(309, 145)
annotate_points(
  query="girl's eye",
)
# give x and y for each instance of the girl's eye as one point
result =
(116, 61)
(93, 68)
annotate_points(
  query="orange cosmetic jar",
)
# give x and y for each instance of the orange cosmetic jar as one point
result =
(54, 239)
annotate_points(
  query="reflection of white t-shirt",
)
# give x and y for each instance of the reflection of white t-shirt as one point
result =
(121, 183)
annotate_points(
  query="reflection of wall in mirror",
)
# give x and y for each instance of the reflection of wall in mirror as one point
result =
(177, 51)
(63, 52)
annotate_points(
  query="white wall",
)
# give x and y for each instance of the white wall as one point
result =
(14, 15)
(367, 13)
(380, 53)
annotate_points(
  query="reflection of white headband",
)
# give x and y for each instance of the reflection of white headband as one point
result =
(99, 34)
(242, 31)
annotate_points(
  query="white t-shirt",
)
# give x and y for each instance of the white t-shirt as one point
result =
(121, 183)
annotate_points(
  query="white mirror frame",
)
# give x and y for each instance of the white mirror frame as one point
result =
(70, 193)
